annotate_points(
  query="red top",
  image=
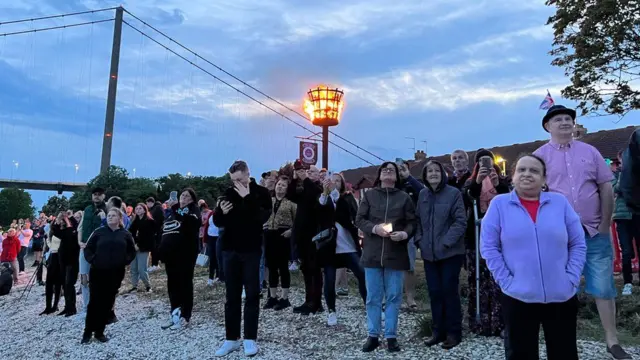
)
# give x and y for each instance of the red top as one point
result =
(532, 207)
(10, 249)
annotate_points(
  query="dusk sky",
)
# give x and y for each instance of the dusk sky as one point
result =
(455, 73)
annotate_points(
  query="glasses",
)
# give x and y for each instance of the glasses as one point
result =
(388, 170)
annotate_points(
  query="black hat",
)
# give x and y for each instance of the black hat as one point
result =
(556, 110)
(97, 190)
(483, 152)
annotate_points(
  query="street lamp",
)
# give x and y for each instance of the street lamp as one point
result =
(134, 173)
(16, 164)
(188, 173)
(76, 167)
(324, 107)
(502, 163)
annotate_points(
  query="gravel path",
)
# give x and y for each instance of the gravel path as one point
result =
(282, 335)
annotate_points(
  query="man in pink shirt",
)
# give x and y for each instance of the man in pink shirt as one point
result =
(578, 171)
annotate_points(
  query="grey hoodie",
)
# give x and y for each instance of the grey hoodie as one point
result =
(442, 219)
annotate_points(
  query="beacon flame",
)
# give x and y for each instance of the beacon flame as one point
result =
(324, 105)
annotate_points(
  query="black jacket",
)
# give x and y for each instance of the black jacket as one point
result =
(343, 213)
(110, 249)
(158, 217)
(630, 176)
(69, 249)
(306, 225)
(243, 225)
(144, 233)
(180, 235)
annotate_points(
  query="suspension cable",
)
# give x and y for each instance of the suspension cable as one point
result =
(55, 27)
(56, 16)
(245, 83)
(238, 90)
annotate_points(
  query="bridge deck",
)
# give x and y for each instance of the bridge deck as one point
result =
(60, 187)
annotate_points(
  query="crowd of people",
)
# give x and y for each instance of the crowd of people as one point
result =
(525, 240)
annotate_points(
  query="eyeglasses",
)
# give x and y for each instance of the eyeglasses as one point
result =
(387, 170)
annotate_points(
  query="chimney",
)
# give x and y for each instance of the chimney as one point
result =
(420, 155)
(579, 131)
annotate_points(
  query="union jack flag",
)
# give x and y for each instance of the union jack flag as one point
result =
(547, 102)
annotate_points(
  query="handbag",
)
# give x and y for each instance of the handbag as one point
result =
(324, 237)
(202, 260)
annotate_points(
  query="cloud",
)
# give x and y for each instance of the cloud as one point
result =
(505, 41)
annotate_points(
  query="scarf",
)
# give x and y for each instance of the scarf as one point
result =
(487, 193)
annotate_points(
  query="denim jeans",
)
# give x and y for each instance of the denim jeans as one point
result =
(351, 262)
(443, 277)
(139, 269)
(628, 236)
(84, 280)
(598, 270)
(381, 282)
(242, 270)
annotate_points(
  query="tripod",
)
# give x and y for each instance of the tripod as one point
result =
(27, 289)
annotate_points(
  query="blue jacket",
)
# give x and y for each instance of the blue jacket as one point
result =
(537, 262)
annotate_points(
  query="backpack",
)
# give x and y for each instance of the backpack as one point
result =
(6, 278)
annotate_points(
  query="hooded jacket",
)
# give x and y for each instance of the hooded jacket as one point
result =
(180, 241)
(144, 233)
(386, 205)
(441, 219)
(69, 248)
(110, 249)
(91, 221)
(306, 225)
(630, 175)
(10, 249)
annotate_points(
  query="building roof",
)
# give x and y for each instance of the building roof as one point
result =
(608, 142)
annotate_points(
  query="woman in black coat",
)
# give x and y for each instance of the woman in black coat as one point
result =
(144, 229)
(66, 229)
(338, 210)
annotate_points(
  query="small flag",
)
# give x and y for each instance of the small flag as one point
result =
(547, 102)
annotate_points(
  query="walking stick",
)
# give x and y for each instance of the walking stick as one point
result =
(477, 232)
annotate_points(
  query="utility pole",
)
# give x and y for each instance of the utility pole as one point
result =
(425, 146)
(414, 144)
(325, 147)
(107, 141)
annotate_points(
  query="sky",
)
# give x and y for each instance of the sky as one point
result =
(448, 73)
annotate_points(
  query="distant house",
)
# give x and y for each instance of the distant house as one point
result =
(608, 142)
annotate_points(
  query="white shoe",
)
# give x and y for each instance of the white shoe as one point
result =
(332, 319)
(210, 282)
(175, 320)
(182, 323)
(228, 347)
(250, 347)
(168, 324)
(244, 294)
(627, 289)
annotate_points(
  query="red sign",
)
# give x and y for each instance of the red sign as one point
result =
(308, 152)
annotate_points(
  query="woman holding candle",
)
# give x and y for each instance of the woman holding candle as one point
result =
(387, 218)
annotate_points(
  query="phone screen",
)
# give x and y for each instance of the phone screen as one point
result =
(173, 196)
(486, 162)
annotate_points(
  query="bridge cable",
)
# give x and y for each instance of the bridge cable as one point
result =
(55, 27)
(245, 83)
(240, 91)
(56, 16)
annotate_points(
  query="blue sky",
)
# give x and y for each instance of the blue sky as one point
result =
(456, 73)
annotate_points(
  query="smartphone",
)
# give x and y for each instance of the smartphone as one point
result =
(173, 196)
(399, 161)
(329, 175)
(486, 162)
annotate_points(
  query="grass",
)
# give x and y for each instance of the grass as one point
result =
(589, 327)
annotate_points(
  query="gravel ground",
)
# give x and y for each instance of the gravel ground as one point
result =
(282, 335)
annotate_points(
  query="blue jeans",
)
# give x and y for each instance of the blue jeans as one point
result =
(139, 269)
(381, 282)
(442, 281)
(598, 270)
(84, 280)
(351, 262)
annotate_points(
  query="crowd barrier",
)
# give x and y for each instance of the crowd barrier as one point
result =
(617, 254)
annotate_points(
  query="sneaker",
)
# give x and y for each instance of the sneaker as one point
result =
(627, 289)
(392, 345)
(293, 266)
(168, 324)
(133, 289)
(282, 304)
(228, 347)
(250, 347)
(371, 344)
(332, 319)
(149, 289)
(210, 282)
(617, 352)
(342, 292)
(271, 303)
(153, 268)
(300, 309)
(182, 323)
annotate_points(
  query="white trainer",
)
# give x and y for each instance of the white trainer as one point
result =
(228, 347)
(250, 347)
(627, 289)
(332, 319)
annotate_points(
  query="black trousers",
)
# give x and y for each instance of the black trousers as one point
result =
(69, 274)
(103, 287)
(21, 255)
(628, 236)
(312, 274)
(277, 250)
(180, 285)
(443, 278)
(241, 270)
(155, 256)
(53, 285)
(213, 259)
(522, 327)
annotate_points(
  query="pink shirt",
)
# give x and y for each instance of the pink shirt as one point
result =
(575, 170)
(25, 237)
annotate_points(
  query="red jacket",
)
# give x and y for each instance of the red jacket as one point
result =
(10, 249)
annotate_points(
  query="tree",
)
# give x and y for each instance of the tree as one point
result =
(15, 204)
(138, 190)
(55, 204)
(597, 42)
(115, 181)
